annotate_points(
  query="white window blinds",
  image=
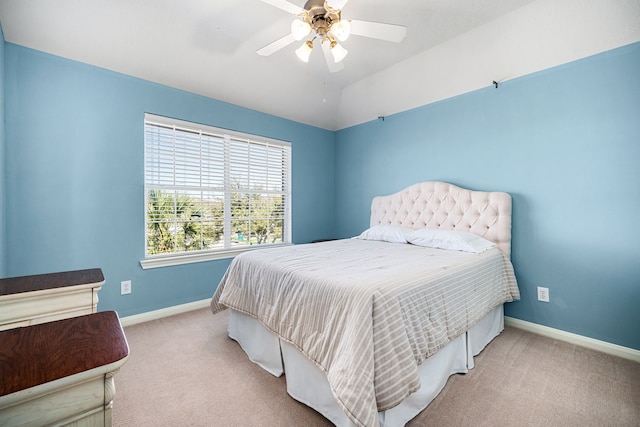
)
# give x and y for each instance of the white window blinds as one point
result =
(210, 189)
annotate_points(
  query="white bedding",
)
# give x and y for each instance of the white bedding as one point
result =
(367, 313)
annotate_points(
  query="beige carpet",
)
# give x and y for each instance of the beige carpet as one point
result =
(185, 371)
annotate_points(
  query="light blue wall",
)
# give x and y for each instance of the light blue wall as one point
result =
(3, 203)
(565, 143)
(74, 189)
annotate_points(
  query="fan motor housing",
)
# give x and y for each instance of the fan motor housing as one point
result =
(320, 17)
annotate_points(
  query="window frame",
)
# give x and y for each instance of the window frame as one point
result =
(185, 257)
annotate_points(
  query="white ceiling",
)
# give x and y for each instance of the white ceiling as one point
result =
(208, 47)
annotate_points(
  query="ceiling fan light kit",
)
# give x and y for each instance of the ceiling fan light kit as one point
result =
(304, 51)
(300, 29)
(323, 20)
(338, 52)
(341, 30)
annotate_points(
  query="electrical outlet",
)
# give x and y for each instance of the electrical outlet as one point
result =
(543, 294)
(125, 287)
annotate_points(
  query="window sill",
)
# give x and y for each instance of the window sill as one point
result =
(189, 258)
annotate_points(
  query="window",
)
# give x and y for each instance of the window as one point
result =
(211, 193)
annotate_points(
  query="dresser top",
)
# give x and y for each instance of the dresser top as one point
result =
(34, 355)
(40, 282)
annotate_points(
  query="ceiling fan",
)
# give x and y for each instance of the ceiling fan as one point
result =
(322, 20)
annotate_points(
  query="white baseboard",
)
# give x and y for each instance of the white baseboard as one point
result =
(603, 346)
(164, 312)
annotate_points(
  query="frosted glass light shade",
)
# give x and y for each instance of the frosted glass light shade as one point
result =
(338, 52)
(304, 51)
(300, 29)
(341, 30)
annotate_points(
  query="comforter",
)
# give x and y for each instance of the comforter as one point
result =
(367, 312)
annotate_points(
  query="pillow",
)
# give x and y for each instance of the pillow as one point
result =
(385, 233)
(449, 239)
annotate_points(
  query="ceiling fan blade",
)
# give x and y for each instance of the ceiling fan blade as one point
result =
(286, 6)
(333, 66)
(378, 30)
(276, 45)
(337, 4)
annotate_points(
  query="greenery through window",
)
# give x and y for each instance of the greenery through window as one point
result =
(210, 189)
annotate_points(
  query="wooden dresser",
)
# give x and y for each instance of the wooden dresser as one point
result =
(30, 300)
(61, 372)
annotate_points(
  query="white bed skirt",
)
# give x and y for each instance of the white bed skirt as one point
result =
(308, 384)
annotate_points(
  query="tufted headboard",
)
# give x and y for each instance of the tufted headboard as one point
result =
(435, 204)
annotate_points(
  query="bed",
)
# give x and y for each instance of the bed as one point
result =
(368, 329)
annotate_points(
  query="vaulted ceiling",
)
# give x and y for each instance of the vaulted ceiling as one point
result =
(209, 47)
